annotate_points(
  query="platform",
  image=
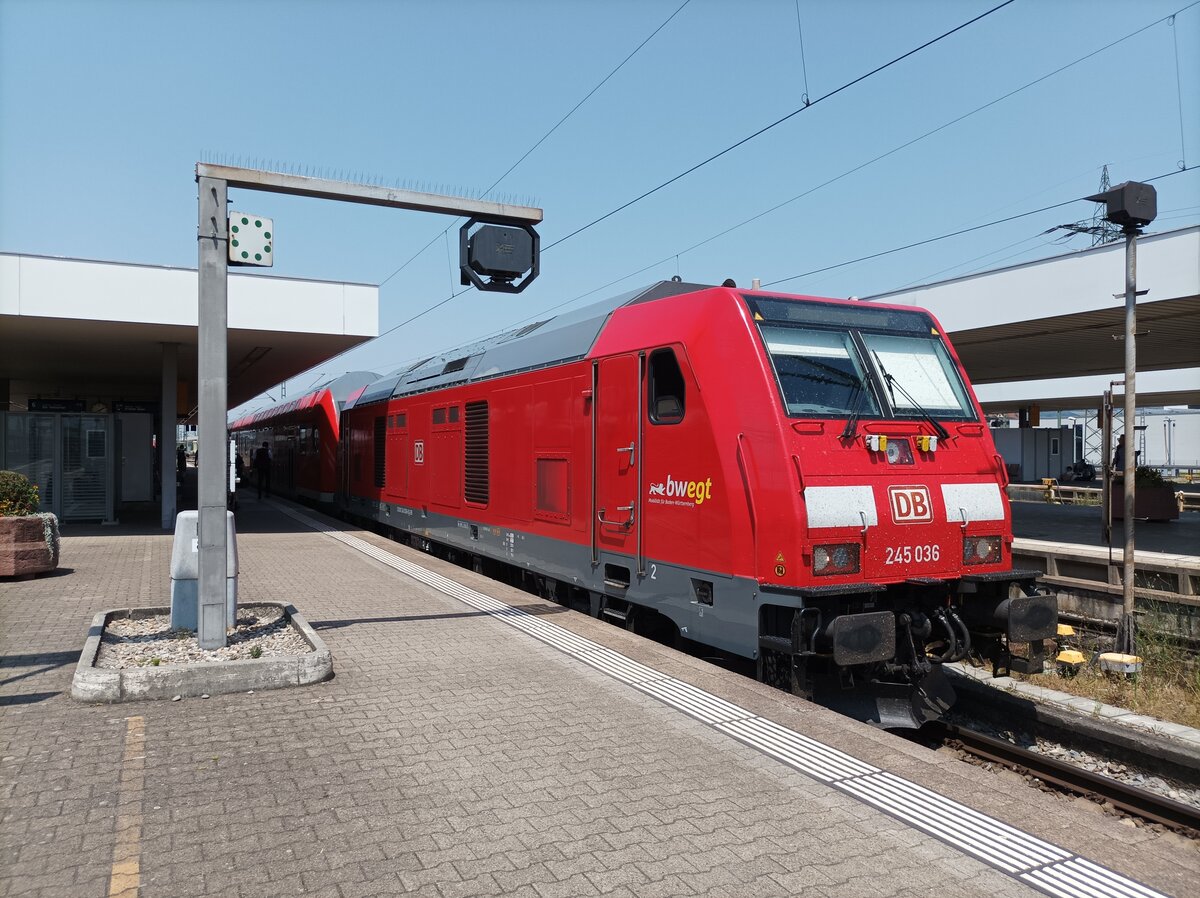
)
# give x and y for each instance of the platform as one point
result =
(479, 741)
(1081, 524)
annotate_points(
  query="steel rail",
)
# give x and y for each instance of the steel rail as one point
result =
(1137, 802)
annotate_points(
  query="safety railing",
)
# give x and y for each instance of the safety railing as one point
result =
(1157, 575)
(1051, 491)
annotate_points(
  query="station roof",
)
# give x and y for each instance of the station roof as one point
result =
(1025, 327)
(68, 323)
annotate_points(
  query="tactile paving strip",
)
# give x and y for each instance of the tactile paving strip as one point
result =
(1036, 863)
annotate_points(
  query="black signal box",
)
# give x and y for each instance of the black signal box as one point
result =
(500, 252)
(1130, 205)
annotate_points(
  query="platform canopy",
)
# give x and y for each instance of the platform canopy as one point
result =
(94, 331)
(1051, 332)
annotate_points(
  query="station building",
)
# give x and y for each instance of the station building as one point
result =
(1044, 340)
(98, 363)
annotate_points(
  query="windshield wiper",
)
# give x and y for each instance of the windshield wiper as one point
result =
(893, 385)
(851, 429)
(859, 384)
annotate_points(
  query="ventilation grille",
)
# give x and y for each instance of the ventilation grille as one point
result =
(380, 451)
(475, 468)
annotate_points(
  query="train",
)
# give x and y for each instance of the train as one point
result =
(806, 484)
(302, 438)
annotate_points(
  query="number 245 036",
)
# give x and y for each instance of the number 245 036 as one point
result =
(911, 554)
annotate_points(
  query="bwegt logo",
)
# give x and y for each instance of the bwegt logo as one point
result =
(910, 504)
(698, 491)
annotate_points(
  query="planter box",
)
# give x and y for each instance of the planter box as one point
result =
(1154, 503)
(25, 546)
(95, 684)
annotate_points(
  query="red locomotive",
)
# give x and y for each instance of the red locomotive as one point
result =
(808, 483)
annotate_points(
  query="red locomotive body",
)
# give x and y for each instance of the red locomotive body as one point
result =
(800, 481)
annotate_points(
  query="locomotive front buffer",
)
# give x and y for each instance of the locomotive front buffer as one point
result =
(885, 666)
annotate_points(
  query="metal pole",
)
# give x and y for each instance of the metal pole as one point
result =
(213, 411)
(169, 415)
(1126, 632)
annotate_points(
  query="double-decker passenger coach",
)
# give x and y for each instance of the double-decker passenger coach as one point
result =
(804, 482)
(301, 437)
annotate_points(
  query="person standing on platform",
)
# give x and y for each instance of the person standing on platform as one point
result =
(262, 465)
(1118, 462)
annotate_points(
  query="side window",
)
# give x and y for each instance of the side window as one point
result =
(666, 388)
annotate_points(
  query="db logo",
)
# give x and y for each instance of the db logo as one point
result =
(910, 504)
(418, 452)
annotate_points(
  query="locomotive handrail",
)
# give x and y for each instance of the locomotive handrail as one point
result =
(629, 523)
(799, 473)
(742, 469)
(637, 469)
(1004, 481)
(595, 385)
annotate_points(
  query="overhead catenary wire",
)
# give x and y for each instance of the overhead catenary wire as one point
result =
(1178, 92)
(749, 137)
(734, 146)
(803, 65)
(844, 264)
(958, 233)
(867, 163)
(555, 127)
(946, 236)
(455, 294)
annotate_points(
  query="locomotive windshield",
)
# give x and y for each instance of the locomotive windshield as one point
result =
(819, 371)
(923, 368)
(836, 360)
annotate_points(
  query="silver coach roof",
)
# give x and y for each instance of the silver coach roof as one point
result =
(551, 341)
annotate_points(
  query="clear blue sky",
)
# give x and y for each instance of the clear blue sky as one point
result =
(106, 106)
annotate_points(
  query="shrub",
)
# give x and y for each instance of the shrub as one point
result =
(17, 495)
(1148, 477)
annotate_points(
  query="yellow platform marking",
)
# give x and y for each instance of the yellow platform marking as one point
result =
(126, 878)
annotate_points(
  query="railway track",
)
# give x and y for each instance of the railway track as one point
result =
(1136, 802)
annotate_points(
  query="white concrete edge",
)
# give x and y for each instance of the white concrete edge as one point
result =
(93, 684)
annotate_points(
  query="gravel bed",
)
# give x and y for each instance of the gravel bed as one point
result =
(1125, 773)
(262, 631)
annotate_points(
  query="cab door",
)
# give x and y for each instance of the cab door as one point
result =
(617, 458)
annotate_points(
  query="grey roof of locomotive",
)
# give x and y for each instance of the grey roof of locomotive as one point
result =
(552, 341)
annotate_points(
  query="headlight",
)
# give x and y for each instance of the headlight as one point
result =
(981, 550)
(838, 558)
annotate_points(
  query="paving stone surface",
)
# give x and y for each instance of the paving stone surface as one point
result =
(450, 756)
